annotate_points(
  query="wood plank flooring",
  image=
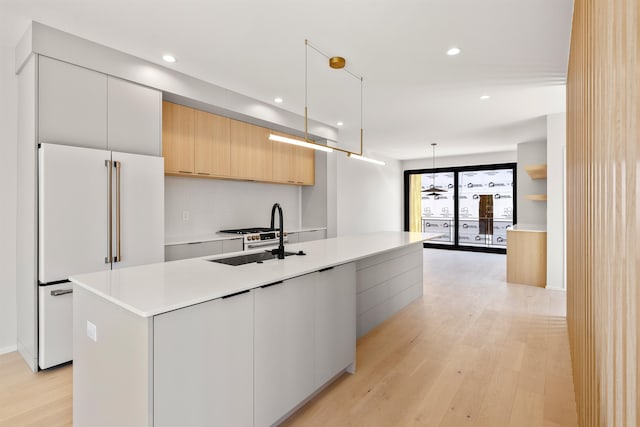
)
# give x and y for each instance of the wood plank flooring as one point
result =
(474, 351)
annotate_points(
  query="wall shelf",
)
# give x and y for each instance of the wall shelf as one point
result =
(539, 197)
(537, 171)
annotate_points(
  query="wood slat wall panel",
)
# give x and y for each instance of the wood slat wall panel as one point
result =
(603, 117)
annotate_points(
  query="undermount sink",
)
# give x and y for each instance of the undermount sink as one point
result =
(249, 258)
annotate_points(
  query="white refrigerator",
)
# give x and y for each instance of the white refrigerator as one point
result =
(97, 210)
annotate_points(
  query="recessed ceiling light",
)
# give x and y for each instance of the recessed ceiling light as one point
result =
(339, 123)
(169, 58)
(485, 97)
(278, 100)
(453, 51)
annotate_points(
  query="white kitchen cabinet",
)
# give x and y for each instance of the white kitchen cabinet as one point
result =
(85, 108)
(284, 347)
(198, 249)
(192, 250)
(232, 245)
(307, 236)
(203, 364)
(335, 324)
(134, 118)
(72, 105)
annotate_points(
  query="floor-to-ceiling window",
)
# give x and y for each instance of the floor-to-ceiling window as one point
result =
(469, 207)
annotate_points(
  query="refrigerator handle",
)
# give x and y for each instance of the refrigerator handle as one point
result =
(118, 257)
(109, 257)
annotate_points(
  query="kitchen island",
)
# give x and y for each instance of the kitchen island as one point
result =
(196, 342)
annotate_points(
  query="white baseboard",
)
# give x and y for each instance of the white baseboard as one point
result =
(553, 288)
(8, 349)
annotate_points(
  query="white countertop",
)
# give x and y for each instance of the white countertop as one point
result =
(153, 289)
(210, 237)
(529, 227)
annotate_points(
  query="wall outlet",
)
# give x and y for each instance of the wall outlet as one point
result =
(92, 331)
(185, 216)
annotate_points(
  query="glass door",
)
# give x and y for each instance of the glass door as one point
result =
(437, 209)
(485, 207)
(472, 213)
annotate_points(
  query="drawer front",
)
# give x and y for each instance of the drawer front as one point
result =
(55, 323)
(308, 236)
(192, 250)
(232, 245)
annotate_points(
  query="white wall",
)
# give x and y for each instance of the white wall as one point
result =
(531, 211)
(556, 143)
(8, 185)
(466, 160)
(369, 196)
(215, 204)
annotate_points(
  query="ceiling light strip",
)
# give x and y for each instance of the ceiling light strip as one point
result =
(299, 143)
(365, 159)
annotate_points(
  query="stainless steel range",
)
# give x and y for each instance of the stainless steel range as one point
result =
(258, 237)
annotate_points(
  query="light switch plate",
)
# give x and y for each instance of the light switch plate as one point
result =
(185, 216)
(92, 331)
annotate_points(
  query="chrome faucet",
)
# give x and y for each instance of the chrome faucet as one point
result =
(280, 250)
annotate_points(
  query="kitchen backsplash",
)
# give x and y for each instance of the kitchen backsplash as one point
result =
(195, 207)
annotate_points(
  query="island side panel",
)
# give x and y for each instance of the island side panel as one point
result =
(386, 283)
(112, 376)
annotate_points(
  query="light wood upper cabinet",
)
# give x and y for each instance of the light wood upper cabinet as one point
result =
(197, 143)
(251, 152)
(305, 166)
(284, 161)
(212, 144)
(293, 164)
(178, 125)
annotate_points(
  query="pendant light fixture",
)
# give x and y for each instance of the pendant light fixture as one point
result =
(336, 63)
(433, 190)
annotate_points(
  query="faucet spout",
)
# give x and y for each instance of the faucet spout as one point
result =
(280, 250)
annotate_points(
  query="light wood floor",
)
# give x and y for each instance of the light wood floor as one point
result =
(474, 351)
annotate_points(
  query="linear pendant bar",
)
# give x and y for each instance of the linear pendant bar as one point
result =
(366, 159)
(284, 139)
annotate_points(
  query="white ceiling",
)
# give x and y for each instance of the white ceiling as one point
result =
(514, 50)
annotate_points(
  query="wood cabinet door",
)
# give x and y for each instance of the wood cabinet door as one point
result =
(178, 123)
(251, 152)
(293, 164)
(212, 144)
(284, 161)
(305, 166)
